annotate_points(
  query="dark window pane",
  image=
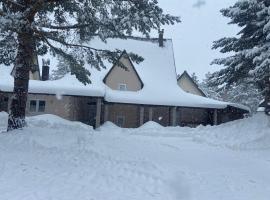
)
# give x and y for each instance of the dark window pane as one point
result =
(33, 106)
(41, 106)
(120, 121)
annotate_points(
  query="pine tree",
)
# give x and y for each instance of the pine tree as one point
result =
(64, 27)
(195, 78)
(251, 48)
(243, 92)
(61, 70)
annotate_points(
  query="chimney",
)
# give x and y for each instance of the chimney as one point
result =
(161, 38)
(45, 69)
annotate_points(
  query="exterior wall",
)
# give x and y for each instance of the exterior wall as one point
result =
(119, 75)
(187, 85)
(72, 108)
(193, 117)
(4, 99)
(61, 107)
(229, 114)
(161, 115)
(84, 109)
(129, 112)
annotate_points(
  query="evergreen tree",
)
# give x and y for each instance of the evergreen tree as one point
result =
(65, 28)
(211, 91)
(242, 92)
(61, 70)
(195, 78)
(251, 48)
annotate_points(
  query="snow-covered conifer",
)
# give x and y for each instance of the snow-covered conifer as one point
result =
(250, 49)
(65, 28)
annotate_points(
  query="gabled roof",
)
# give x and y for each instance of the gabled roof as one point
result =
(125, 55)
(191, 80)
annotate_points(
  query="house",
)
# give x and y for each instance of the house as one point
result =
(188, 84)
(127, 97)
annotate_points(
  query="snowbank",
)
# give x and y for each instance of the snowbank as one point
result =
(250, 133)
(57, 159)
(47, 131)
(55, 122)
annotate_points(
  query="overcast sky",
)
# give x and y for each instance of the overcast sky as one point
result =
(194, 36)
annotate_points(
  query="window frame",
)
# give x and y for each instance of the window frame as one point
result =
(120, 86)
(37, 106)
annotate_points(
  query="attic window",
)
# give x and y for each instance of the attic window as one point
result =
(122, 87)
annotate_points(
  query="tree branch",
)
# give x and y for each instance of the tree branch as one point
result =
(46, 37)
(14, 3)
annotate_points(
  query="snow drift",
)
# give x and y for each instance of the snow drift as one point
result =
(56, 159)
(250, 133)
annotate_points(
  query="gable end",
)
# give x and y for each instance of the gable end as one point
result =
(119, 76)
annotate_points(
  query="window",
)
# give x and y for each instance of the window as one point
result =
(122, 87)
(33, 106)
(37, 106)
(41, 106)
(120, 121)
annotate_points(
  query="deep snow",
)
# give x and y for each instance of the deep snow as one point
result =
(54, 159)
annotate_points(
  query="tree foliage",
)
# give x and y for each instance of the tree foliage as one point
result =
(250, 49)
(243, 92)
(66, 27)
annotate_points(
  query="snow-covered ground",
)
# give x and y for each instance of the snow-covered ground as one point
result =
(53, 159)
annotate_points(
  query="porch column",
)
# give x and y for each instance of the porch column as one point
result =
(106, 112)
(173, 116)
(215, 117)
(98, 113)
(150, 113)
(141, 115)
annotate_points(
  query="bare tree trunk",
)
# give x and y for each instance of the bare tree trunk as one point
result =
(22, 66)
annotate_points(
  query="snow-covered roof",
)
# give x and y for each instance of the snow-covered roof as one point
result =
(157, 71)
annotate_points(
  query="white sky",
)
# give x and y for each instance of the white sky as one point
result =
(193, 37)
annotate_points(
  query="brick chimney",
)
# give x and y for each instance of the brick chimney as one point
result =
(45, 69)
(161, 38)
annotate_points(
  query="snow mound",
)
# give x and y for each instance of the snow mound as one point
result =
(47, 131)
(249, 133)
(151, 125)
(156, 130)
(109, 127)
(55, 122)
